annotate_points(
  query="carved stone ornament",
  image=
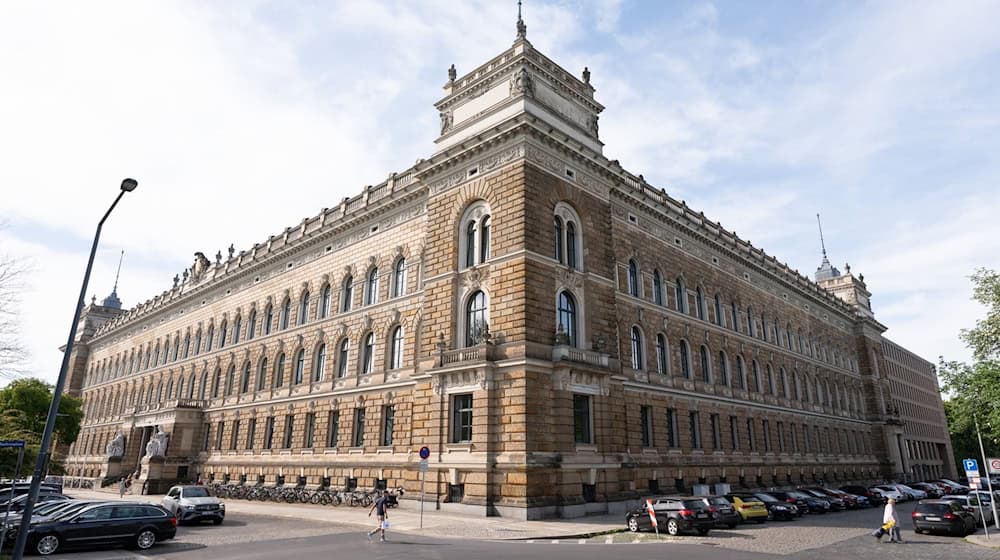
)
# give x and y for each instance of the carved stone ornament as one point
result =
(116, 447)
(201, 264)
(475, 277)
(581, 382)
(468, 380)
(447, 121)
(521, 84)
(569, 279)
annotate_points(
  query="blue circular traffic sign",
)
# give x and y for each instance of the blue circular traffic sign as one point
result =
(425, 452)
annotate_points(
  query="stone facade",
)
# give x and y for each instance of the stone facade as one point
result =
(562, 335)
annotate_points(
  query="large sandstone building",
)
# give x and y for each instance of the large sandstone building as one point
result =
(562, 335)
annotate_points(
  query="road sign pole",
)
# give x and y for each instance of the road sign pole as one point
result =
(422, 475)
(989, 483)
(13, 483)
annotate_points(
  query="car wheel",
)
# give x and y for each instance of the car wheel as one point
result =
(47, 544)
(673, 528)
(702, 532)
(145, 539)
(217, 522)
(633, 524)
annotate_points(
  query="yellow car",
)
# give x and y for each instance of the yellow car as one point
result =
(749, 507)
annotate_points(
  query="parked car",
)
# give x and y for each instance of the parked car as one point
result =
(51, 510)
(932, 491)
(725, 514)
(945, 489)
(888, 492)
(777, 508)
(749, 507)
(915, 494)
(972, 502)
(123, 523)
(874, 498)
(17, 504)
(942, 515)
(674, 515)
(804, 503)
(956, 487)
(194, 503)
(852, 501)
(836, 504)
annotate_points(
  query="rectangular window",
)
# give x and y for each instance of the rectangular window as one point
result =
(695, 420)
(332, 428)
(672, 440)
(734, 432)
(714, 420)
(359, 427)
(767, 435)
(251, 433)
(268, 432)
(218, 434)
(646, 421)
(388, 423)
(289, 426)
(751, 441)
(235, 436)
(582, 419)
(310, 430)
(461, 418)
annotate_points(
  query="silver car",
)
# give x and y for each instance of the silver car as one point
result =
(194, 503)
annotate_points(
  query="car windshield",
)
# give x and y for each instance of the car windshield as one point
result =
(720, 502)
(799, 495)
(694, 504)
(766, 498)
(933, 508)
(196, 492)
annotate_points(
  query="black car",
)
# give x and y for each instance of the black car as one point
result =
(17, 504)
(933, 492)
(942, 515)
(109, 523)
(51, 510)
(725, 515)
(836, 504)
(801, 502)
(874, 498)
(674, 515)
(777, 508)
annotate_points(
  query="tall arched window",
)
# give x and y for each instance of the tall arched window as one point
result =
(685, 359)
(724, 369)
(735, 317)
(286, 313)
(262, 374)
(203, 386)
(231, 380)
(252, 324)
(343, 356)
(208, 341)
(399, 278)
(657, 287)
(245, 385)
(190, 386)
(324, 301)
(303, 308)
(567, 317)
(371, 293)
(763, 327)
(484, 239)
(557, 226)
(476, 319)
(216, 381)
(755, 371)
(771, 388)
(368, 353)
(474, 245)
(662, 360)
(637, 359)
(319, 363)
(681, 296)
(470, 244)
(237, 325)
(268, 319)
(177, 349)
(783, 378)
(223, 332)
(347, 294)
(633, 278)
(396, 348)
(571, 245)
(719, 319)
(699, 298)
(751, 326)
(741, 372)
(300, 366)
(706, 366)
(170, 389)
(279, 370)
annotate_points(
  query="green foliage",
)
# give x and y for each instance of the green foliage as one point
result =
(963, 432)
(24, 407)
(984, 339)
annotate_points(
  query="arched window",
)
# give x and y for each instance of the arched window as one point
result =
(303, 308)
(662, 359)
(177, 350)
(681, 296)
(699, 298)
(216, 381)
(724, 369)
(571, 245)
(396, 348)
(399, 278)
(789, 339)
(784, 382)
(343, 356)
(170, 388)
(567, 317)
(470, 244)
(751, 326)
(231, 380)
(685, 360)
(286, 314)
(300, 366)
(190, 386)
(557, 226)
(706, 366)
(368, 354)
(279, 370)
(763, 327)
(324, 301)
(771, 388)
(637, 359)
(798, 385)
(474, 245)
(237, 324)
(347, 294)
(755, 370)
(203, 386)
(633, 278)
(223, 331)
(262, 374)
(252, 324)
(319, 363)
(735, 317)
(245, 384)
(268, 319)
(719, 319)
(484, 239)
(476, 319)
(741, 372)
(371, 293)
(657, 288)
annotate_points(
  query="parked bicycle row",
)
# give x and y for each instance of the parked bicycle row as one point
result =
(303, 495)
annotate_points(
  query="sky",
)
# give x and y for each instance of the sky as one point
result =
(239, 119)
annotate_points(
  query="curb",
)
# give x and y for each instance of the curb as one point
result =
(574, 536)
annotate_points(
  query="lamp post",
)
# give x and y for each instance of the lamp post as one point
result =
(44, 451)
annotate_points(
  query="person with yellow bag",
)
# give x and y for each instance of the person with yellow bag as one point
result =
(890, 524)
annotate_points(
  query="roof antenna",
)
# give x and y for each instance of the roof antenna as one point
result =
(522, 29)
(821, 242)
(115, 289)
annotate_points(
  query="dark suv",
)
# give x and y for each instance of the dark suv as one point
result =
(674, 515)
(725, 515)
(124, 523)
(942, 515)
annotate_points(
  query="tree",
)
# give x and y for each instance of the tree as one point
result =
(12, 352)
(24, 407)
(962, 429)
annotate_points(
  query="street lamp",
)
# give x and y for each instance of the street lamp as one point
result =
(44, 451)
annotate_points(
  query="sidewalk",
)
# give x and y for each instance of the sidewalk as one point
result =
(406, 518)
(981, 540)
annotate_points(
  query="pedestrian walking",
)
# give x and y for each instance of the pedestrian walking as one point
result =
(122, 487)
(890, 523)
(380, 507)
